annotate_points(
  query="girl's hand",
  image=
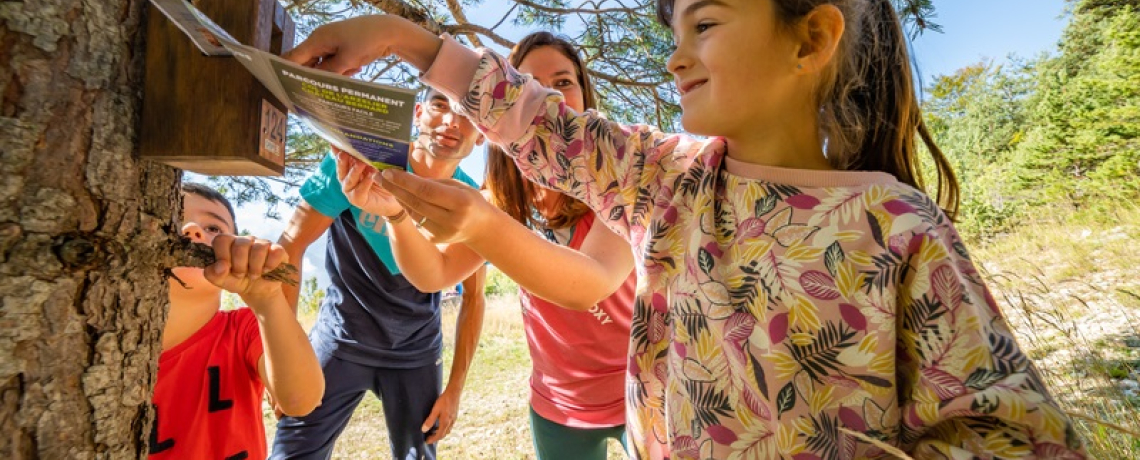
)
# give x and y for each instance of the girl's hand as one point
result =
(345, 47)
(241, 260)
(357, 181)
(447, 211)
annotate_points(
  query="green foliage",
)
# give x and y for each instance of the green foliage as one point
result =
(231, 301)
(499, 283)
(1052, 134)
(978, 119)
(311, 297)
(1085, 146)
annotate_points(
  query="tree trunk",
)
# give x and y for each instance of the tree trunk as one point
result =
(83, 227)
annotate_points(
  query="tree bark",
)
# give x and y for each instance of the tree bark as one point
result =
(84, 227)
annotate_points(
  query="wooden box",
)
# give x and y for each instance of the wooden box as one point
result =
(208, 114)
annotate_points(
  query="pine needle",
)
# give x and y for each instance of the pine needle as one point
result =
(877, 443)
(1114, 426)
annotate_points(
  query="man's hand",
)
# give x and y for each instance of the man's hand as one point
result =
(445, 411)
(241, 260)
(361, 188)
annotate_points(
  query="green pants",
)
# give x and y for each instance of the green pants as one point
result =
(559, 442)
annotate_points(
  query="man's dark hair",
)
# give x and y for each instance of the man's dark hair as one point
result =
(208, 193)
(430, 93)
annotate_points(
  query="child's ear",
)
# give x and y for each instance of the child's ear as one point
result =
(819, 32)
(479, 140)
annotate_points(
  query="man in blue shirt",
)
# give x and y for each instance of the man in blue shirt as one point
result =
(375, 331)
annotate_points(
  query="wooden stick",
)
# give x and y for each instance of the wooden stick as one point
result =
(190, 254)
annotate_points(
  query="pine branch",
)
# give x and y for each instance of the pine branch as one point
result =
(460, 17)
(581, 9)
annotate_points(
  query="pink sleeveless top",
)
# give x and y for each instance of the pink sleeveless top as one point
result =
(580, 357)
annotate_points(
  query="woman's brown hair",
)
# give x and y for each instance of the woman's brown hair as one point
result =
(869, 114)
(509, 191)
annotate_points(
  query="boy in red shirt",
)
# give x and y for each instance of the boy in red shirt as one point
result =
(215, 365)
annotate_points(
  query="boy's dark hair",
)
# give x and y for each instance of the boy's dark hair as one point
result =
(208, 193)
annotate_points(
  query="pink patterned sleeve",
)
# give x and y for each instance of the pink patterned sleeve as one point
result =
(965, 386)
(615, 169)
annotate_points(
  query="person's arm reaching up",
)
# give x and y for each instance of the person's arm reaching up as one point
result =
(608, 166)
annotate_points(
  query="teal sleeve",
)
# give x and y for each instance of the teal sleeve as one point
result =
(461, 176)
(322, 190)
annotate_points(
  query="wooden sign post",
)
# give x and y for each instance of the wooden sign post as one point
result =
(209, 115)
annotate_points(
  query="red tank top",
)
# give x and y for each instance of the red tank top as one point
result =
(579, 357)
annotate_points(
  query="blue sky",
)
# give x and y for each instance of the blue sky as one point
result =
(973, 31)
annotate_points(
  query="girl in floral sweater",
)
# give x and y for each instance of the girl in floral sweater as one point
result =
(799, 295)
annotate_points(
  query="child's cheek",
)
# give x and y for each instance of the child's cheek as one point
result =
(193, 277)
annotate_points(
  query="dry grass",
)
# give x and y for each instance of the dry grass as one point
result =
(1072, 295)
(493, 418)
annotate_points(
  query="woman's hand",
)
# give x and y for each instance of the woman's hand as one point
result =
(345, 47)
(447, 211)
(358, 182)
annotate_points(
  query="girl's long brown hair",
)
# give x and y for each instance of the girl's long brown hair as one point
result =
(509, 191)
(869, 113)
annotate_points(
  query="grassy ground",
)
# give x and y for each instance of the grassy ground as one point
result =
(493, 421)
(1070, 289)
(1071, 292)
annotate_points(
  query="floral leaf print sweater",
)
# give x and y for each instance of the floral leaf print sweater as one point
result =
(777, 306)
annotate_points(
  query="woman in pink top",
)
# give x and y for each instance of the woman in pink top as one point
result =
(799, 295)
(577, 384)
(575, 275)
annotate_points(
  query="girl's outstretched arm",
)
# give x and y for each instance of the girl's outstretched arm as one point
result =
(345, 47)
(617, 170)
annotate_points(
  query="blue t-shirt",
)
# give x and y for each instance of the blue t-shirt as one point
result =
(371, 314)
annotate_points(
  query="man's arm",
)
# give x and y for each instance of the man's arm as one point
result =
(306, 225)
(468, 327)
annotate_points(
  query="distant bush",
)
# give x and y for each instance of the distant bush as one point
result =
(499, 283)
